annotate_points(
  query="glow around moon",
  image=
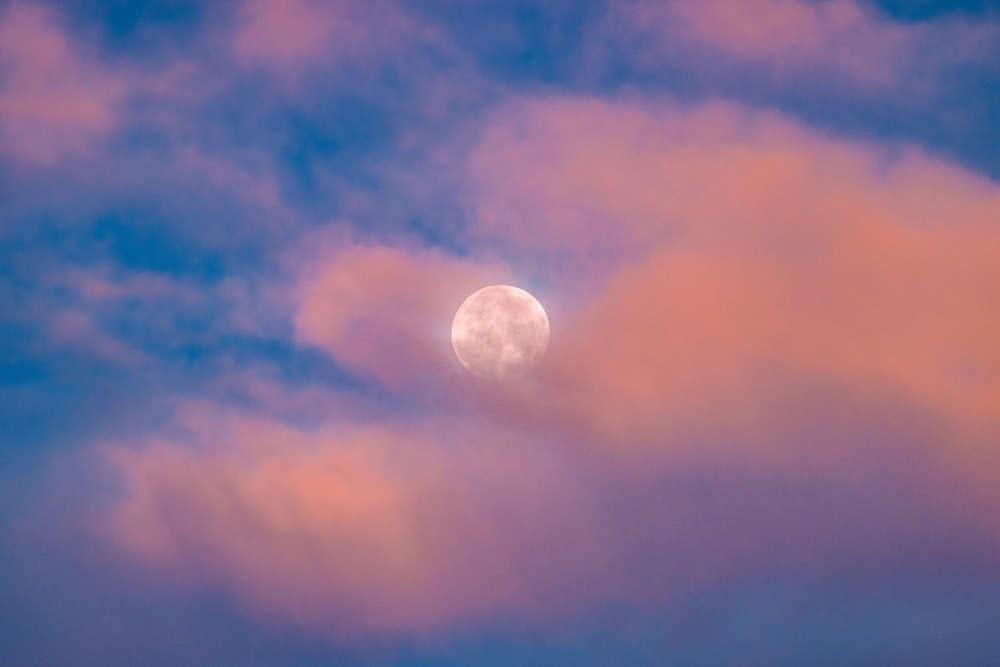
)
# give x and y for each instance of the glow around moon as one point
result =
(500, 332)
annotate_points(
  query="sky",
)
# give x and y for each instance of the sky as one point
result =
(233, 236)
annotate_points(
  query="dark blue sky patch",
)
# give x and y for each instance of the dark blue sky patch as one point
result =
(314, 136)
(66, 399)
(284, 363)
(337, 134)
(140, 30)
(296, 365)
(139, 242)
(925, 10)
(519, 41)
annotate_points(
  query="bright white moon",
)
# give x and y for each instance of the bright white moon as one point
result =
(500, 332)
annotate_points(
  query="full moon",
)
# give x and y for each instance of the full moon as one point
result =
(500, 332)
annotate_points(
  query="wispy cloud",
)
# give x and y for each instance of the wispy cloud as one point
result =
(848, 43)
(288, 38)
(386, 312)
(55, 96)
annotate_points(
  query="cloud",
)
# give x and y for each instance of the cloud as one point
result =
(421, 527)
(76, 328)
(286, 35)
(354, 530)
(789, 34)
(790, 39)
(741, 259)
(778, 357)
(386, 312)
(55, 97)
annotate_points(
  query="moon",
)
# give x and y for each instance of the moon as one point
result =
(500, 332)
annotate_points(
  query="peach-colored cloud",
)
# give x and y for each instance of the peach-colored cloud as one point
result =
(386, 312)
(354, 529)
(789, 38)
(744, 259)
(55, 98)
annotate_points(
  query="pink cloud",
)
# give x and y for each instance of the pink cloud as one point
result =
(802, 325)
(246, 179)
(736, 253)
(286, 32)
(95, 285)
(55, 98)
(386, 312)
(355, 530)
(791, 38)
(423, 526)
(284, 35)
(75, 328)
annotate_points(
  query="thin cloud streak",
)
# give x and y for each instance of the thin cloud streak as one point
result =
(849, 45)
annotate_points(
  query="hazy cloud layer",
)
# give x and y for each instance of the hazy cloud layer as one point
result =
(762, 295)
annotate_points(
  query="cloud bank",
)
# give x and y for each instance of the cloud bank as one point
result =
(734, 287)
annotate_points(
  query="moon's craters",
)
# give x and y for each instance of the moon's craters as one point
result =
(500, 332)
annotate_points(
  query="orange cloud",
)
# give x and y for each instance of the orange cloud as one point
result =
(744, 259)
(54, 98)
(355, 530)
